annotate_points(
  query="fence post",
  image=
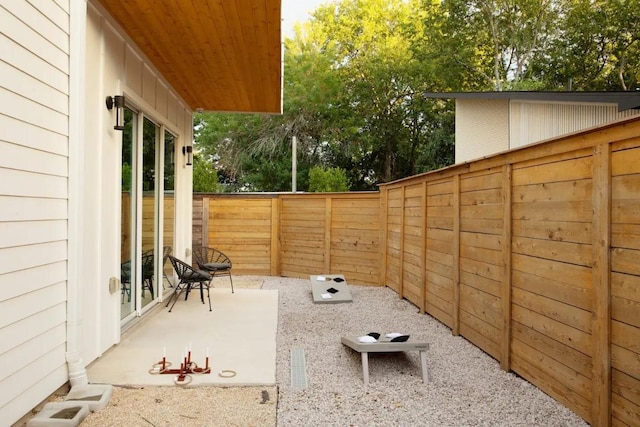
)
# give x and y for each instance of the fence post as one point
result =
(423, 251)
(456, 255)
(384, 202)
(505, 359)
(205, 222)
(327, 233)
(601, 326)
(275, 236)
(402, 237)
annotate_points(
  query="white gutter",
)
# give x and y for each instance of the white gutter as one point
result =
(77, 47)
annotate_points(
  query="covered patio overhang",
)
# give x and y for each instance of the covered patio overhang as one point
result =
(219, 55)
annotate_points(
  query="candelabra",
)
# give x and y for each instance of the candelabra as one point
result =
(187, 367)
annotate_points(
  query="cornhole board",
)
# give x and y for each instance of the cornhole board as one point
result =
(320, 284)
(384, 345)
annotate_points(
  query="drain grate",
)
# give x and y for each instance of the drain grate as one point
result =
(298, 368)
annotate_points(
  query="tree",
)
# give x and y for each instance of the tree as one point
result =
(323, 180)
(487, 44)
(597, 47)
(205, 177)
(380, 130)
(531, 44)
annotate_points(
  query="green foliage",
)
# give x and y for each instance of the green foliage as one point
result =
(597, 48)
(327, 180)
(126, 177)
(532, 44)
(205, 177)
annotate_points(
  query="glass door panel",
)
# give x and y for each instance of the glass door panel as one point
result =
(150, 145)
(128, 214)
(147, 216)
(168, 210)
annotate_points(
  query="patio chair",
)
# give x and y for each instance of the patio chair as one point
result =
(213, 261)
(187, 277)
(148, 271)
(125, 280)
(166, 251)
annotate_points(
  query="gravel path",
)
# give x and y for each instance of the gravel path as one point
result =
(466, 386)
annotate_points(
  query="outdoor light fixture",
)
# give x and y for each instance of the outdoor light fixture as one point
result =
(187, 150)
(118, 102)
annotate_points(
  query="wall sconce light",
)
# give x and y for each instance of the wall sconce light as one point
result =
(118, 102)
(187, 150)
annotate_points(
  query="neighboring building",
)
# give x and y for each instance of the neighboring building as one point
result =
(72, 187)
(491, 122)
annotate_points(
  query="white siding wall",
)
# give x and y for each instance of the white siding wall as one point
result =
(34, 144)
(533, 122)
(60, 188)
(482, 127)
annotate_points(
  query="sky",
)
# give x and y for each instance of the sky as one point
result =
(297, 11)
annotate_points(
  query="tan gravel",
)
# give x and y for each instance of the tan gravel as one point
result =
(186, 407)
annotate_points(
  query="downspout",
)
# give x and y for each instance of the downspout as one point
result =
(77, 47)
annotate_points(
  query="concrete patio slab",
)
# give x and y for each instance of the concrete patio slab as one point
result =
(239, 335)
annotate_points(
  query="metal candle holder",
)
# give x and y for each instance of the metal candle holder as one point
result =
(183, 374)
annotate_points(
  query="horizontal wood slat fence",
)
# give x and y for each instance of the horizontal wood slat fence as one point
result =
(533, 255)
(293, 235)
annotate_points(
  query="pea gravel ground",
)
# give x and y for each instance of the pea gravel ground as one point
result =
(466, 387)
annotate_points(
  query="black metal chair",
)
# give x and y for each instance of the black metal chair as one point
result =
(148, 269)
(166, 251)
(187, 277)
(213, 261)
(125, 280)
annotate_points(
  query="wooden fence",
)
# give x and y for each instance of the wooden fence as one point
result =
(293, 235)
(533, 255)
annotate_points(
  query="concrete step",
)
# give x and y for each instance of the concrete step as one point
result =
(60, 414)
(95, 395)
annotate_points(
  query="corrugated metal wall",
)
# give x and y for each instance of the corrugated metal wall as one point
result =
(532, 122)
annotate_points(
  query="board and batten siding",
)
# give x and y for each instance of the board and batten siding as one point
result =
(532, 122)
(485, 127)
(114, 65)
(34, 145)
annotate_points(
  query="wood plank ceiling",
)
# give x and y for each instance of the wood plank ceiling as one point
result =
(219, 55)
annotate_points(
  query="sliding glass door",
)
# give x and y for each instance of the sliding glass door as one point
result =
(128, 290)
(147, 213)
